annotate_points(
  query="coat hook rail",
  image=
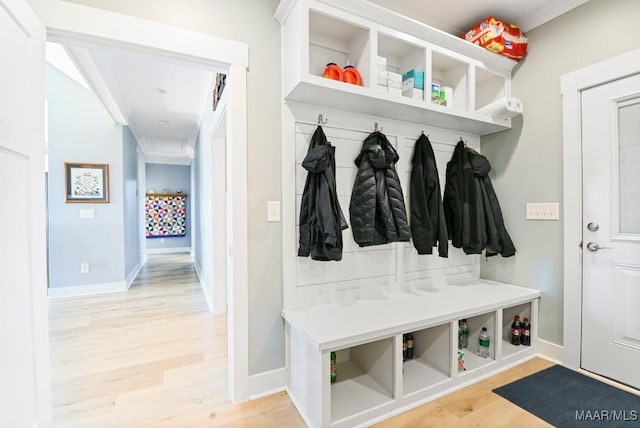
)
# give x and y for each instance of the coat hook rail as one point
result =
(321, 120)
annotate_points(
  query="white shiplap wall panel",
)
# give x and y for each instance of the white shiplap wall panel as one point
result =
(370, 271)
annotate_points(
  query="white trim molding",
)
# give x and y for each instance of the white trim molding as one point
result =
(134, 273)
(267, 383)
(550, 351)
(572, 85)
(85, 290)
(69, 22)
(169, 250)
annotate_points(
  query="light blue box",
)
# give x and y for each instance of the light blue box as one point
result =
(413, 79)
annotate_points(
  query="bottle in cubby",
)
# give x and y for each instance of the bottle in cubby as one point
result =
(341, 43)
(484, 343)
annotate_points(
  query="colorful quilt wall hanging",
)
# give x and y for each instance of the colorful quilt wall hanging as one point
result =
(166, 215)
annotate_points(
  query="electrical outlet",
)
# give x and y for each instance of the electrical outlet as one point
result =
(84, 267)
(543, 211)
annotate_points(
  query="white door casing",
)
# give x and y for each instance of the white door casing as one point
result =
(66, 21)
(25, 399)
(611, 229)
(577, 87)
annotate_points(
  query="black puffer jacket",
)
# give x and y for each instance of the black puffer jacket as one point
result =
(428, 227)
(321, 219)
(377, 212)
(471, 207)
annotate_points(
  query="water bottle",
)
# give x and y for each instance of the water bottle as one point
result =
(483, 341)
(465, 334)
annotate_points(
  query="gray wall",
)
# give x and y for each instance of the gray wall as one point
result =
(527, 160)
(160, 177)
(132, 208)
(251, 22)
(80, 130)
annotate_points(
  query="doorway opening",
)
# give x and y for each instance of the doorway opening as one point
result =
(84, 25)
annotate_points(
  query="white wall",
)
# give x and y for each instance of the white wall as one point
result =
(250, 22)
(527, 160)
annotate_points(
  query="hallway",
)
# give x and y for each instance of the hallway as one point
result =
(146, 357)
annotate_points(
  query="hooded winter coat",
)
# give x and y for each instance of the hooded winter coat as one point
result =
(471, 208)
(321, 218)
(428, 226)
(377, 212)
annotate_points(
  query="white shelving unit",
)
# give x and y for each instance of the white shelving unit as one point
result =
(372, 379)
(318, 32)
(361, 306)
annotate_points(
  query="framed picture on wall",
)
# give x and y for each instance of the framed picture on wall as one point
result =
(86, 182)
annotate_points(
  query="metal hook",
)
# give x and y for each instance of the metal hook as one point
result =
(321, 120)
(376, 128)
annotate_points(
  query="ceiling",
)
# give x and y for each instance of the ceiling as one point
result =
(458, 16)
(163, 100)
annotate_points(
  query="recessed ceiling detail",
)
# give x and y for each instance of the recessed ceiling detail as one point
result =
(162, 100)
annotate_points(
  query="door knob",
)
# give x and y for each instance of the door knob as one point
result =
(592, 246)
(593, 227)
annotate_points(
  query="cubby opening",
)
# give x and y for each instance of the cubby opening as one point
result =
(489, 87)
(472, 358)
(508, 314)
(450, 72)
(364, 378)
(431, 362)
(401, 56)
(341, 42)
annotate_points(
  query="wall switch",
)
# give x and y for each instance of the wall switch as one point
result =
(273, 211)
(84, 267)
(87, 213)
(543, 211)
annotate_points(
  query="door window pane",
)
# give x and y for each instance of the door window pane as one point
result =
(629, 152)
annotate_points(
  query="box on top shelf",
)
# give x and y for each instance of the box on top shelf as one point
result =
(499, 37)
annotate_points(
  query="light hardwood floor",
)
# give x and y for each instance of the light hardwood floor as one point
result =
(155, 357)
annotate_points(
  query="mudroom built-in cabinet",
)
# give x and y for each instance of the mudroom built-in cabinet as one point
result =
(361, 306)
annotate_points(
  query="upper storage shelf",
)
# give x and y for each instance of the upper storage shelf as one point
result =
(359, 33)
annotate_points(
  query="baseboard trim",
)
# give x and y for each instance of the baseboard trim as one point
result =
(268, 383)
(207, 298)
(550, 351)
(84, 290)
(134, 273)
(169, 250)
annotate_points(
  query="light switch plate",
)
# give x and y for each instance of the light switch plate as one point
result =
(543, 211)
(273, 211)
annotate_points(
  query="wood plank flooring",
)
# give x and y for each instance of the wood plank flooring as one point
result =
(155, 357)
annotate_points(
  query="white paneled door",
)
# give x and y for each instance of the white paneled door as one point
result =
(24, 355)
(611, 229)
